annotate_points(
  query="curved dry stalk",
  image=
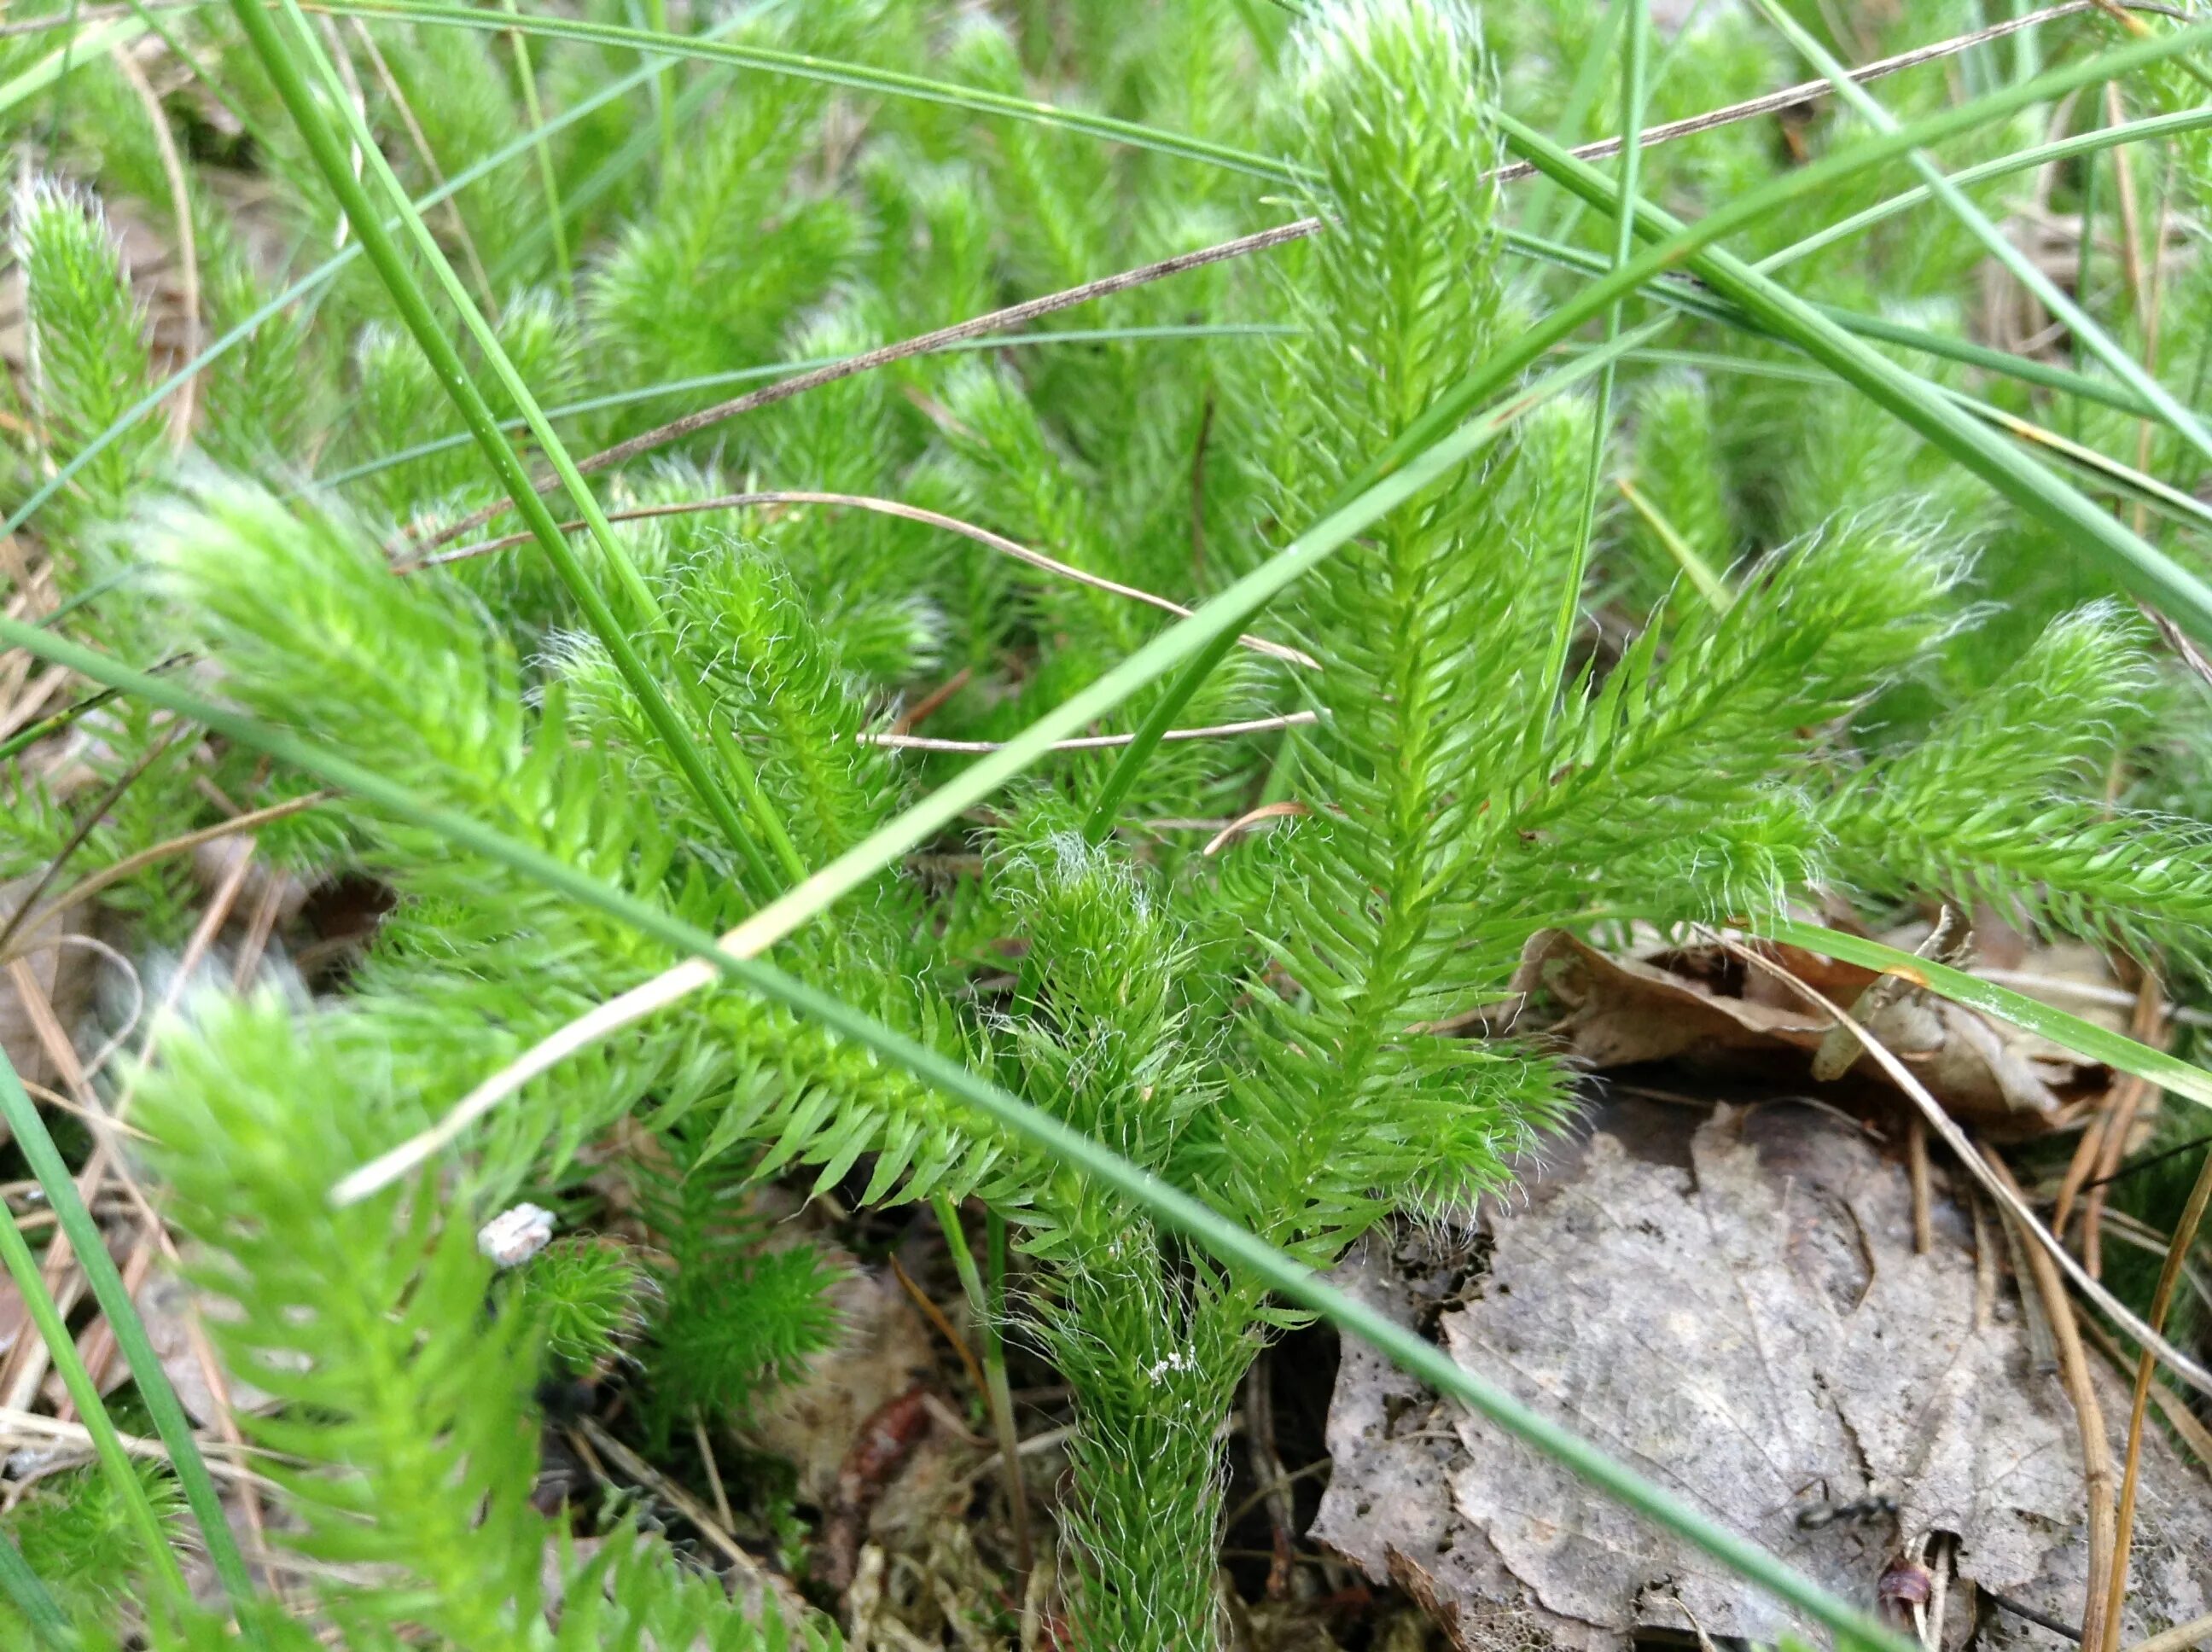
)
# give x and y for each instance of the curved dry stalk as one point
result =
(1000, 543)
(601, 1020)
(188, 257)
(2088, 1415)
(2184, 1236)
(1030, 310)
(1013, 315)
(1289, 808)
(1956, 1140)
(1093, 742)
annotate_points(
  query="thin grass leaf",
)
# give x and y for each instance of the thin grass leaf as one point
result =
(2150, 129)
(2098, 342)
(84, 1238)
(2135, 564)
(2116, 1050)
(332, 160)
(115, 1462)
(73, 53)
(828, 71)
(29, 1597)
(1624, 248)
(1236, 1247)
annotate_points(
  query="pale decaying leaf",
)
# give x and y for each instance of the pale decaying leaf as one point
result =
(1730, 1302)
(1690, 1006)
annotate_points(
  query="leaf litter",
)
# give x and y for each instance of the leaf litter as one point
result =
(1761, 1258)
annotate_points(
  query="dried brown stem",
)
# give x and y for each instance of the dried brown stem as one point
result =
(1095, 741)
(2184, 1236)
(2089, 1417)
(998, 541)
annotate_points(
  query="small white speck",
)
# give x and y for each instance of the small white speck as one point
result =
(516, 1235)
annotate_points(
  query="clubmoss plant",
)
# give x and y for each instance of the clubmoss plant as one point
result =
(1894, 688)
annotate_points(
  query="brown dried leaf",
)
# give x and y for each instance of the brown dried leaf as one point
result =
(1684, 1006)
(1731, 1303)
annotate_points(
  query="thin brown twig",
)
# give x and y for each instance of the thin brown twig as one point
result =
(1017, 315)
(2183, 1422)
(998, 541)
(26, 1365)
(2197, 1631)
(705, 1445)
(259, 929)
(908, 720)
(936, 1316)
(743, 1561)
(2144, 1026)
(2184, 1236)
(1916, 1159)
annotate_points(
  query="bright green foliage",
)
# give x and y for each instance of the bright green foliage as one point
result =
(738, 1313)
(1910, 695)
(86, 354)
(587, 1297)
(76, 1535)
(411, 1406)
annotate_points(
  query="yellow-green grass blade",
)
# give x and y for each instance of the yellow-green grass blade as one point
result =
(2116, 1050)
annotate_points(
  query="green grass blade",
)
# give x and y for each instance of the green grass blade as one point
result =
(547, 178)
(331, 158)
(2133, 563)
(1236, 1248)
(645, 604)
(2150, 129)
(72, 53)
(170, 1422)
(108, 1446)
(1624, 249)
(829, 71)
(2116, 1050)
(312, 282)
(2099, 343)
(29, 1597)
(1582, 96)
